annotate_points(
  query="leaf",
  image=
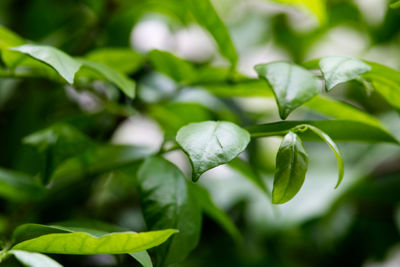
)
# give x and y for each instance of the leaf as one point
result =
(9, 38)
(395, 4)
(315, 7)
(211, 143)
(32, 259)
(122, 60)
(291, 168)
(214, 212)
(339, 130)
(337, 69)
(65, 65)
(167, 201)
(334, 148)
(292, 85)
(205, 14)
(19, 186)
(124, 83)
(85, 244)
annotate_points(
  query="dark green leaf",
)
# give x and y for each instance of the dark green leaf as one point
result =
(65, 65)
(205, 14)
(32, 259)
(211, 143)
(339, 130)
(292, 85)
(291, 168)
(337, 69)
(167, 201)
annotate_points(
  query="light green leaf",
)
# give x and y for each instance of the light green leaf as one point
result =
(211, 143)
(215, 212)
(9, 38)
(205, 14)
(32, 259)
(334, 148)
(123, 60)
(292, 85)
(395, 4)
(85, 244)
(337, 69)
(338, 130)
(291, 168)
(65, 65)
(124, 83)
(168, 201)
(315, 7)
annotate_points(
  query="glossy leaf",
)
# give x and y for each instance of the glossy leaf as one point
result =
(124, 83)
(291, 168)
(65, 65)
(338, 130)
(205, 14)
(211, 143)
(315, 7)
(33, 259)
(292, 85)
(86, 244)
(337, 69)
(334, 148)
(167, 201)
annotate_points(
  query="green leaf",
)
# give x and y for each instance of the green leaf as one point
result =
(9, 38)
(18, 186)
(216, 213)
(122, 60)
(85, 244)
(65, 65)
(291, 168)
(292, 85)
(315, 7)
(339, 130)
(334, 148)
(337, 69)
(167, 201)
(211, 143)
(124, 83)
(32, 259)
(395, 4)
(205, 14)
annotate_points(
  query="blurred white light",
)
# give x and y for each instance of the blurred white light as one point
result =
(373, 11)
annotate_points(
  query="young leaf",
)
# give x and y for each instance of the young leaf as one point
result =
(291, 168)
(65, 65)
(167, 201)
(337, 69)
(127, 85)
(205, 14)
(339, 130)
(292, 85)
(85, 244)
(211, 143)
(334, 148)
(32, 259)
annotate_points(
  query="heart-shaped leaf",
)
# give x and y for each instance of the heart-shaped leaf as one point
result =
(337, 69)
(292, 85)
(211, 143)
(291, 168)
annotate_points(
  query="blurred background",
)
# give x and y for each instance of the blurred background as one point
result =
(357, 224)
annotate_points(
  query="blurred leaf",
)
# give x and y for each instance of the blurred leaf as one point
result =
(316, 7)
(334, 148)
(167, 201)
(250, 88)
(86, 244)
(338, 70)
(65, 65)
(9, 38)
(205, 14)
(214, 212)
(395, 4)
(123, 82)
(291, 168)
(18, 186)
(211, 143)
(292, 85)
(339, 130)
(32, 259)
(122, 60)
